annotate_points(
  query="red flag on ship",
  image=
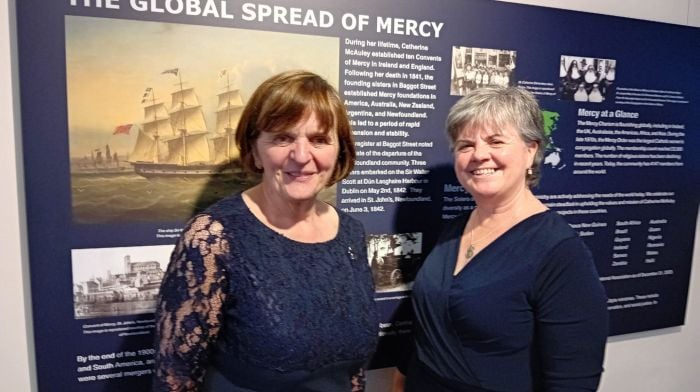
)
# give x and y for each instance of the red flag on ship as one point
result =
(173, 71)
(122, 129)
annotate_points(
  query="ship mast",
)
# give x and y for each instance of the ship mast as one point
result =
(156, 136)
(189, 144)
(153, 130)
(228, 114)
(229, 129)
(183, 130)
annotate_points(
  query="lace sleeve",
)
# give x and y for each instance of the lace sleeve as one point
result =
(358, 381)
(188, 314)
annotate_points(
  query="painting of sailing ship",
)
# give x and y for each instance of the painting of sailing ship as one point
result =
(153, 109)
(176, 142)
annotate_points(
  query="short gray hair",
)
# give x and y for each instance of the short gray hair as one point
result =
(497, 107)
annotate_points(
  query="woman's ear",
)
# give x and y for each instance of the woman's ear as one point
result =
(532, 148)
(256, 158)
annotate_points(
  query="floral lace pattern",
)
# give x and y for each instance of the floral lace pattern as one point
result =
(189, 313)
(358, 381)
(238, 294)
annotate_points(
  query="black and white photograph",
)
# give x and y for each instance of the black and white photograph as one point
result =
(110, 282)
(473, 68)
(394, 259)
(585, 79)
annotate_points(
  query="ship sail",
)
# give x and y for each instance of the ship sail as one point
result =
(186, 112)
(175, 141)
(156, 123)
(191, 145)
(228, 113)
(157, 120)
(145, 148)
(229, 110)
(189, 149)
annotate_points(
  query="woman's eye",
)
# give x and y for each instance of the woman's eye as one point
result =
(464, 147)
(320, 140)
(282, 139)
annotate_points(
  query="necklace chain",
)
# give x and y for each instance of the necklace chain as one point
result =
(471, 249)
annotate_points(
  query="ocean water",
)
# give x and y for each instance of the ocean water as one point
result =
(121, 198)
(105, 198)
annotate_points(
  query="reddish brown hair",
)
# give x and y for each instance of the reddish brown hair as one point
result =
(281, 101)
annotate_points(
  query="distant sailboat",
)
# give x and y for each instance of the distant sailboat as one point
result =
(177, 143)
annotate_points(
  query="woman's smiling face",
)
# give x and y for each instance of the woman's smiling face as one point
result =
(491, 164)
(297, 163)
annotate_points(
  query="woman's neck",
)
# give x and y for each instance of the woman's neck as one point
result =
(283, 213)
(515, 209)
(306, 221)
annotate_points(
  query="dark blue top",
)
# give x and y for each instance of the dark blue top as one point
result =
(527, 313)
(265, 312)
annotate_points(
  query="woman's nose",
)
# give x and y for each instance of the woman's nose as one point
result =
(481, 152)
(301, 151)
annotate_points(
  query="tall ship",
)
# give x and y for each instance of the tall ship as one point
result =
(175, 141)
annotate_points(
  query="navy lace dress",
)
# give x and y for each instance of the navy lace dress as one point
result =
(244, 308)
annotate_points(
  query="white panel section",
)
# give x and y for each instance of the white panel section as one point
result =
(668, 11)
(15, 345)
(694, 13)
(379, 380)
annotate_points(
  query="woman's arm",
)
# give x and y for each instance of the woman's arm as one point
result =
(358, 381)
(398, 381)
(571, 320)
(188, 314)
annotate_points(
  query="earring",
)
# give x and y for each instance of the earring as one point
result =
(529, 171)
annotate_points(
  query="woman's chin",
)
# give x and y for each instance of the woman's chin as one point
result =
(301, 194)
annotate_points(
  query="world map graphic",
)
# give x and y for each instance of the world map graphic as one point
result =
(552, 154)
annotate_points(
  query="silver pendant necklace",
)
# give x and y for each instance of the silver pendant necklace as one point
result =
(471, 249)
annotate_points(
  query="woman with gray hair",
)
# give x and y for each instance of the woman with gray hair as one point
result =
(509, 299)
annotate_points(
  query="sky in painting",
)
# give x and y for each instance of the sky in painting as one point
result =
(111, 62)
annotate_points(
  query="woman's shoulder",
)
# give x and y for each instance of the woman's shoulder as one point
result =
(348, 224)
(549, 224)
(557, 236)
(229, 205)
(541, 234)
(222, 213)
